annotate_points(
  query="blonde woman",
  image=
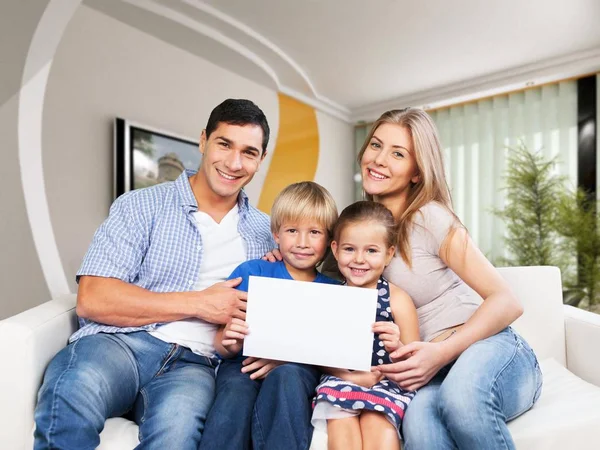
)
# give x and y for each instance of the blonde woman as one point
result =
(473, 373)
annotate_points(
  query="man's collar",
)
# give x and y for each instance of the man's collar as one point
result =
(188, 200)
(184, 190)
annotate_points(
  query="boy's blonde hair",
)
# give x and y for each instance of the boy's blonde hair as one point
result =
(302, 201)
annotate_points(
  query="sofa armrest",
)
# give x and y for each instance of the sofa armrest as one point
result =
(28, 341)
(582, 334)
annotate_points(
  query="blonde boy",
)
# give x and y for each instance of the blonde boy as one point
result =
(302, 219)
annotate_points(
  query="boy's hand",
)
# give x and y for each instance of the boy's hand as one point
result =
(234, 333)
(261, 366)
(389, 333)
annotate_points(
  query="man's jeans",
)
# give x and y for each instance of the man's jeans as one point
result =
(467, 405)
(165, 388)
(272, 414)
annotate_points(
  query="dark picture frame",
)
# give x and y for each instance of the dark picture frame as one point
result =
(145, 156)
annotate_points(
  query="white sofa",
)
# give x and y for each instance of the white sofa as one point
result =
(566, 340)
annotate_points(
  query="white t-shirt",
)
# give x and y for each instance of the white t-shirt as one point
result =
(223, 249)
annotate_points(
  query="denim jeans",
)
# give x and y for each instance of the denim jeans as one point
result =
(273, 413)
(467, 404)
(164, 387)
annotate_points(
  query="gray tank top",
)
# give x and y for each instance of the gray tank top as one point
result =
(442, 299)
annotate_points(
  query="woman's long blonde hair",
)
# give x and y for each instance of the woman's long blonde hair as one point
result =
(432, 184)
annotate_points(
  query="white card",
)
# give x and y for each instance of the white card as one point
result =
(310, 323)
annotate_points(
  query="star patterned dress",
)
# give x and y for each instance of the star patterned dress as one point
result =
(336, 398)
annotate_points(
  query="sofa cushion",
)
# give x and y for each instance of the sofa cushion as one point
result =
(565, 416)
(119, 434)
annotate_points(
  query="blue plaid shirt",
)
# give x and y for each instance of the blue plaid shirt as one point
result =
(150, 239)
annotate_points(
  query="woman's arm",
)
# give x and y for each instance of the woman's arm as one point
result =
(500, 307)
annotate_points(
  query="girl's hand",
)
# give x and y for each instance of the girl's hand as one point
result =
(389, 333)
(261, 366)
(370, 379)
(234, 333)
(423, 361)
(273, 256)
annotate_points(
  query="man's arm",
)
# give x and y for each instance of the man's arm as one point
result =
(115, 302)
(113, 260)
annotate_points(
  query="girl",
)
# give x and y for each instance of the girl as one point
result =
(364, 409)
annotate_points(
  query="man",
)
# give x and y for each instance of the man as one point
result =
(151, 296)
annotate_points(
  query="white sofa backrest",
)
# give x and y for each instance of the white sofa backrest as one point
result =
(542, 324)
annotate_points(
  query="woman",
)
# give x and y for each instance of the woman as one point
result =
(472, 372)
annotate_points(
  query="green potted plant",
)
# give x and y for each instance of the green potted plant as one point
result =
(578, 222)
(530, 214)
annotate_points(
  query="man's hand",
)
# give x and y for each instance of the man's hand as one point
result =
(389, 333)
(273, 256)
(260, 366)
(221, 302)
(234, 334)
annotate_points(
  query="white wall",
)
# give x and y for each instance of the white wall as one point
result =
(22, 283)
(336, 159)
(103, 69)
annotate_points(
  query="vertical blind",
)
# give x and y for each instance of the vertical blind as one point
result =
(476, 137)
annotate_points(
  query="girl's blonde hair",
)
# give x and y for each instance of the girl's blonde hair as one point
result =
(306, 200)
(432, 184)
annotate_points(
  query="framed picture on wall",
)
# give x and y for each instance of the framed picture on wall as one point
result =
(145, 156)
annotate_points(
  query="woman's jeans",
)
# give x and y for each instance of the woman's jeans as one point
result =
(166, 389)
(467, 404)
(273, 413)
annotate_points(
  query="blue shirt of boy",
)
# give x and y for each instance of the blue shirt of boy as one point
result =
(261, 268)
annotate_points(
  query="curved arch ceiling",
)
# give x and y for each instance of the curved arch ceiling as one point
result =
(223, 40)
(297, 95)
(241, 48)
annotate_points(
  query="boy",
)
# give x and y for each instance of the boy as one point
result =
(302, 220)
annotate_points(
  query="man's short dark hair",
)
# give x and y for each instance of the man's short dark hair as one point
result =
(239, 112)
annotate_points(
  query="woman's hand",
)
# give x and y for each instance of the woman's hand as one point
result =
(273, 256)
(389, 333)
(422, 360)
(260, 366)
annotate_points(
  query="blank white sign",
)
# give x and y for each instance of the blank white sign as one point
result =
(310, 323)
